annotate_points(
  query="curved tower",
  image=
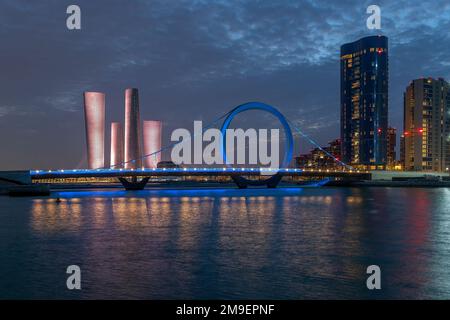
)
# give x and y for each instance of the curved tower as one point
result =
(152, 142)
(116, 145)
(132, 155)
(94, 112)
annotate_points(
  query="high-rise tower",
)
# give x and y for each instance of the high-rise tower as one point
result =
(152, 142)
(364, 101)
(391, 146)
(94, 112)
(427, 125)
(116, 145)
(132, 154)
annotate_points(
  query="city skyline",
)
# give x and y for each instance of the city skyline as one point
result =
(367, 140)
(212, 82)
(230, 158)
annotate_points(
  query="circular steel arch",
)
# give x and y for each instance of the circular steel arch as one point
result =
(289, 142)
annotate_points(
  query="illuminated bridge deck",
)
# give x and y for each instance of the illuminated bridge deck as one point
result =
(155, 172)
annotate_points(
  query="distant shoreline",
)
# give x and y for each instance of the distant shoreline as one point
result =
(392, 184)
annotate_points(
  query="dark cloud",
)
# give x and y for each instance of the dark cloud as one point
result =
(193, 60)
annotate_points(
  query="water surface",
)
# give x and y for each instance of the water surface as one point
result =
(227, 243)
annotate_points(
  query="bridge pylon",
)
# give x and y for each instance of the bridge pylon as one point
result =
(134, 184)
(243, 183)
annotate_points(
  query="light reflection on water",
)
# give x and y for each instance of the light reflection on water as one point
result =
(228, 243)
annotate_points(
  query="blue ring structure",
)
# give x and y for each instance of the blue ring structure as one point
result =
(289, 142)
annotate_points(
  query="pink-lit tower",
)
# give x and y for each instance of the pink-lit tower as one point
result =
(116, 145)
(94, 112)
(132, 155)
(152, 142)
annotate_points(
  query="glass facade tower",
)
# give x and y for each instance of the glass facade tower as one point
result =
(364, 101)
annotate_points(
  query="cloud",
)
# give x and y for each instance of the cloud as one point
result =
(5, 110)
(17, 111)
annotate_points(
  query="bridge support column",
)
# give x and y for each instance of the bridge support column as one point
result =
(274, 181)
(243, 183)
(239, 182)
(134, 184)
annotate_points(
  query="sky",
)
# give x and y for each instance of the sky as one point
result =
(194, 60)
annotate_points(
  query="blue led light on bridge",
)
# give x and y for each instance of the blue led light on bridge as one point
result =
(80, 172)
(201, 171)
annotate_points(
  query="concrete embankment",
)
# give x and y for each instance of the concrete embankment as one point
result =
(398, 184)
(402, 179)
(18, 183)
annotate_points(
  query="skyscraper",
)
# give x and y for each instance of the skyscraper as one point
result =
(427, 125)
(94, 112)
(402, 151)
(391, 146)
(132, 154)
(116, 145)
(364, 102)
(152, 142)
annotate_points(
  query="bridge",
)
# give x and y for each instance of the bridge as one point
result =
(136, 179)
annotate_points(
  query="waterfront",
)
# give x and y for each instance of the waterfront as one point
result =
(285, 243)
